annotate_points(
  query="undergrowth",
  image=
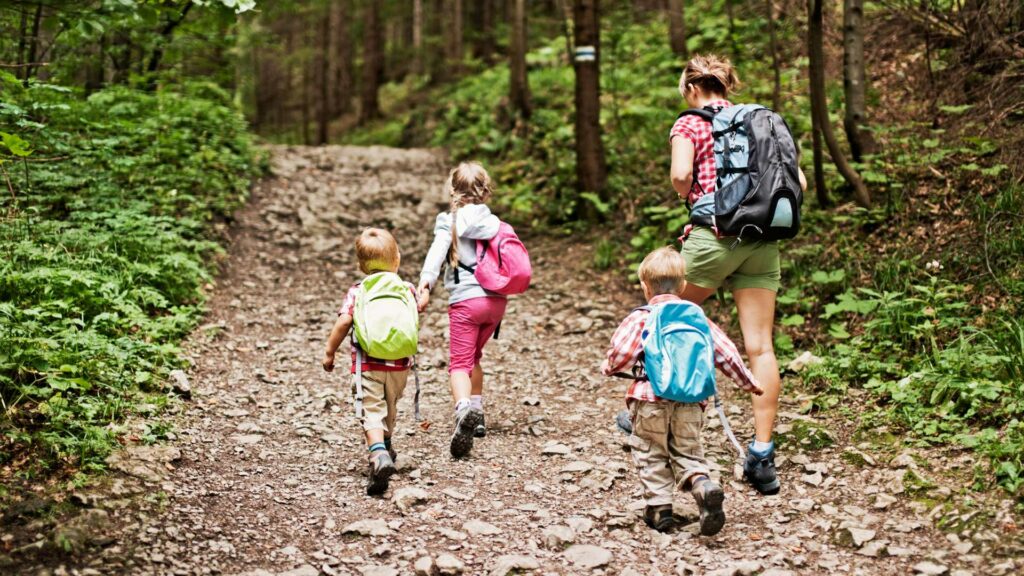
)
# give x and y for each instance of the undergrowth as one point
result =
(105, 248)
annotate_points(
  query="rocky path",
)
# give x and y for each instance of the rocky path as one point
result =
(265, 473)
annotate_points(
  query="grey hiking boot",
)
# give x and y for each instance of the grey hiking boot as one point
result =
(759, 470)
(480, 431)
(381, 469)
(623, 422)
(709, 497)
(659, 517)
(391, 450)
(466, 421)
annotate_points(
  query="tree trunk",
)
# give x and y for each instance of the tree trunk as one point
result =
(22, 42)
(591, 171)
(732, 29)
(519, 87)
(165, 38)
(454, 36)
(370, 108)
(819, 105)
(307, 81)
(343, 75)
(484, 46)
(567, 28)
(323, 110)
(855, 80)
(677, 27)
(773, 47)
(417, 36)
(33, 46)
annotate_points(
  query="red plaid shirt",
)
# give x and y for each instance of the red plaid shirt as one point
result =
(627, 343)
(369, 363)
(698, 131)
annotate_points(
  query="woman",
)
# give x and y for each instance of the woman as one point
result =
(749, 267)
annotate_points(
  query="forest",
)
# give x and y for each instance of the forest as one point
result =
(147, 147)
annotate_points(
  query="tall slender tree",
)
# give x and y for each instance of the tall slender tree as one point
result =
(519, 87)
(344, 75)
(323, 79)
(417, 36)
(484, 44)
(372, 62)
(819, 103)
(677, 27)
(454, 36)
(591, 170)
(773, 47)
(855, 80)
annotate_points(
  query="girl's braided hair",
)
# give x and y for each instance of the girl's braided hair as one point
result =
(468, 183)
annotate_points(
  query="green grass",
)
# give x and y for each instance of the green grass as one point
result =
(105, 249)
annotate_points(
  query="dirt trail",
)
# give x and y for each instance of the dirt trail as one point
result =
(270, 471)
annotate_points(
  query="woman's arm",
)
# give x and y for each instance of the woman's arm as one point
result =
(682, 165)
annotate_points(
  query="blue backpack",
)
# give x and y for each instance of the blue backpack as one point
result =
(679, 353)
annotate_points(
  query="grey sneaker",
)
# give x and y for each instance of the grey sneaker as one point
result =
(381, 469)
(391, 450)
(760, 472)
(480, 431)
(466, 421)
(709, 497)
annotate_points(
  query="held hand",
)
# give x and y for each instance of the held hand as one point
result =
(423, 296)
(757, 391)
(604, 367)
(328, 362)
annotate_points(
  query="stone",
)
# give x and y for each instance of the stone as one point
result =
(930, 568)
(883, 501)
(367, 528)
(587, 556)
(577, 466)
(449, 565)
(802, 361)
(180, 384)
(480, 528)
(407, 497)
(555, 449)
(81, 531)
(557, 537)
(747, 567)
(531, 401)
(851, 536)
(452, 493)
(247, 438)
(377, 571)
(802, 505)
(873, 550)
(304, 570)
(812, 479)
(510, 563)
(424, 566)
(580, 525)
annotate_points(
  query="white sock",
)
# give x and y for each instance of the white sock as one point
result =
(762, 447)
(461, 404)
(477, 401)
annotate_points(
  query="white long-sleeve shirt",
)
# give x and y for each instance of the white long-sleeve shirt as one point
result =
(474, 222)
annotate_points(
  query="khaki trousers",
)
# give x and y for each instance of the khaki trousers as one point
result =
(666, 447)
(381, 391)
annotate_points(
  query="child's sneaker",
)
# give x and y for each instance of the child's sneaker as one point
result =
(659, 517)
(381, 468)
(624, 423)
(480, 431)
(466, 421)
(709, 497)
(759, 469)
(391, 450)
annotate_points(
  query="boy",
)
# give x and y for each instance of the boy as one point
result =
(665, 441)
(383, 380)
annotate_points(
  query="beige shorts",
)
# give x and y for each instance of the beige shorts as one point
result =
(381, 391)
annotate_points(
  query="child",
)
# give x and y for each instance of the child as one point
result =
(383, 380)
(473, 312)
(665, 440)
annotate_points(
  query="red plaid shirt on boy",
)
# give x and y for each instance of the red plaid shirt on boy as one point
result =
(698, 131)
(627, 344)
(369, 363)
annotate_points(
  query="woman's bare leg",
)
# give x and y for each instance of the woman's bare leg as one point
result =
(757, 318)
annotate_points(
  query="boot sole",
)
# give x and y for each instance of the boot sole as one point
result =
(766, 489)
(379, 481)
(462, 439)
(480, 432)
(712, 517)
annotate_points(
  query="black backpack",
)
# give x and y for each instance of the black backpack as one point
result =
(757, 194)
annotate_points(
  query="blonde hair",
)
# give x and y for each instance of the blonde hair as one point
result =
(713, 74)
(376, 251)
(468, 183)
(663, 271)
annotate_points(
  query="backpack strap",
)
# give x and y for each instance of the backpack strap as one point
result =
(359, 377)
(416, 398)
(727, 428)
(470, 269)
(706, 113)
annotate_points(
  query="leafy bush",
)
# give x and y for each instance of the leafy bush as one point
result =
(103, 251)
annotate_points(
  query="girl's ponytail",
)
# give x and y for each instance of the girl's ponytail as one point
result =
(711, 73)
(468, 183)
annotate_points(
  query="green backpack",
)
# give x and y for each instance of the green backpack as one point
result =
(386, 323)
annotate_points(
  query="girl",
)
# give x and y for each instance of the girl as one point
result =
(473, 313)
(751, 267)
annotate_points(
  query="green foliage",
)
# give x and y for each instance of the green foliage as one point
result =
(102, 253)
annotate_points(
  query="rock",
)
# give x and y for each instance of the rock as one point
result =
(883, 501)
(930, 568)
(367, 528)
(557, 537)
(531, 401)
(424, 566)
(812, 479)
(777, 572)
(452, 534)
(904, 460)
(513, 563)
(620, 522)
(81, 531)
(247, 438)
(480, 528)
(802, 505)
(451, 493)
(577, 466)
(873, 550)
(406, 498)
(803, 361)
(376, 571)
(586, 556)
(144, 462)
(855, 537)
(449, 565)
(747, 567)
(556, 448)
(180, 384)
(580, 525)
(304, 570)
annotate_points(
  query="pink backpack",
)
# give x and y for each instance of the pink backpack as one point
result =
(502, 263)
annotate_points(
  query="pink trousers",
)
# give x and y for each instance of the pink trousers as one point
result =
(471, 324)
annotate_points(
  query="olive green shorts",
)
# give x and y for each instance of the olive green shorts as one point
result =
(712, 262)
